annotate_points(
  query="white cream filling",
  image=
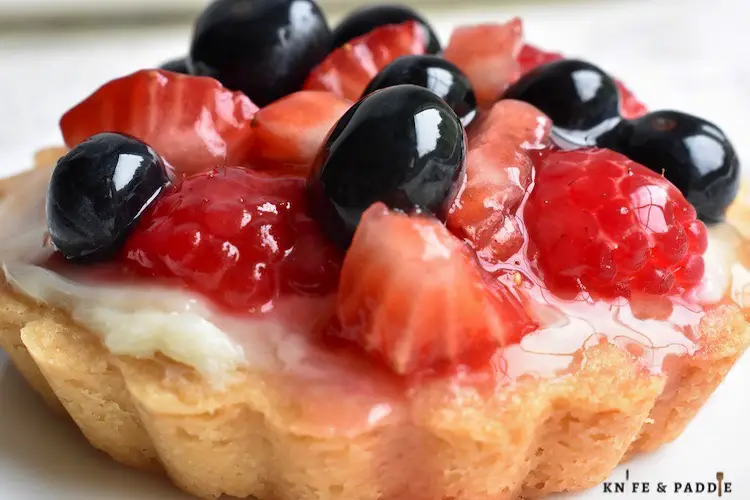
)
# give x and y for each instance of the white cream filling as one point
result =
(135, 321)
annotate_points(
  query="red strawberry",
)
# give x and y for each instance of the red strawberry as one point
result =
(193, 122)
(347, 70)
(498, 173)
(530, 57)
(291, 130)
(487, 53)
(239, 236)
(600, 223)
(414, 295)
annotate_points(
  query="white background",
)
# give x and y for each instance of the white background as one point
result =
(690, 55)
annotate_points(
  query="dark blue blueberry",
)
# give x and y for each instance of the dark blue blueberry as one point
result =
(97, 192)
(692, 153)
(434, 73)
(365, 19)
(178, 65)
(401, 145)
(581, 100)
(264, 48)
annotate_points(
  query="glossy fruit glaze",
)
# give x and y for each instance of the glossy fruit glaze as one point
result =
(193, 122)
(348, 69)
(602, 224)
(434, 73)
(244, 240)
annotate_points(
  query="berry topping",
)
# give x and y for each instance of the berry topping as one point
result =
(401, 145)
(241, 237)
(581, 100)
(690, 152)
(98, 191)
(264, 48)
(291, 130)
(366, 19)
(413, 294)
(433, 73)
(194, 122)
(530, 57)
(348, 69)
(487, 53)
(498, 174)
(603, 224)
(178, 65)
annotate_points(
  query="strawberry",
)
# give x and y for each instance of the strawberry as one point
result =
(601, 223)
(530, 57)
(498, 174)
(193, 122)
(291, 130)
(487, 54)
(413, 294)
(347, 70)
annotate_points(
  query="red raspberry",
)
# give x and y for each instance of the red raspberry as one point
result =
(600, 223)
(239, 236)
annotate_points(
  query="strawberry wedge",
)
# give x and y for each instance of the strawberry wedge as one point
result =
(347, 70)
(487, 54)
(413, 294)
(498, 174)
(193, 122)
(289, 132)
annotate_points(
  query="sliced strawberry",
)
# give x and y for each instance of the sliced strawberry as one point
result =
(290, 131)
(530, 57)
(193, 122)
(498, 174)
(347, 70)
(413, 294)
(487, 54)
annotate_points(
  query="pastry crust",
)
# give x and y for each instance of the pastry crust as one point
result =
(527, 439)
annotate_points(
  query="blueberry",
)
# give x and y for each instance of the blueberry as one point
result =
(581, 100)
(264, 48)
(692, 153)
(365, 19)
(178, 65)
(401, 145)
(97, 192)
(434, 73)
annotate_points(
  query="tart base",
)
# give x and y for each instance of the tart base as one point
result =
(528, 439)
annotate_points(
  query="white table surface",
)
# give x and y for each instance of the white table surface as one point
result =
(690, 55)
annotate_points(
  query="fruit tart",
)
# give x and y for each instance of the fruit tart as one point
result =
(304, 263)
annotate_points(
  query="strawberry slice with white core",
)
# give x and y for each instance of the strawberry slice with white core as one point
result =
(347, 70)
(487, 53)
(291, 130)
(499, 171)
(414, 295)
(193, 122)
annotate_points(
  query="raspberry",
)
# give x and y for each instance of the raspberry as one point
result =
(600, 223)
(240, 237)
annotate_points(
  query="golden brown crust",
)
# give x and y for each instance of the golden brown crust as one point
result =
(532, 438)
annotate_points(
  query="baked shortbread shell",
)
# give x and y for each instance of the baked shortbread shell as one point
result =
(528, 439)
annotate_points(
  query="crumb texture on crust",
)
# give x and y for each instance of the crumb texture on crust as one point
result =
(531, 439)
